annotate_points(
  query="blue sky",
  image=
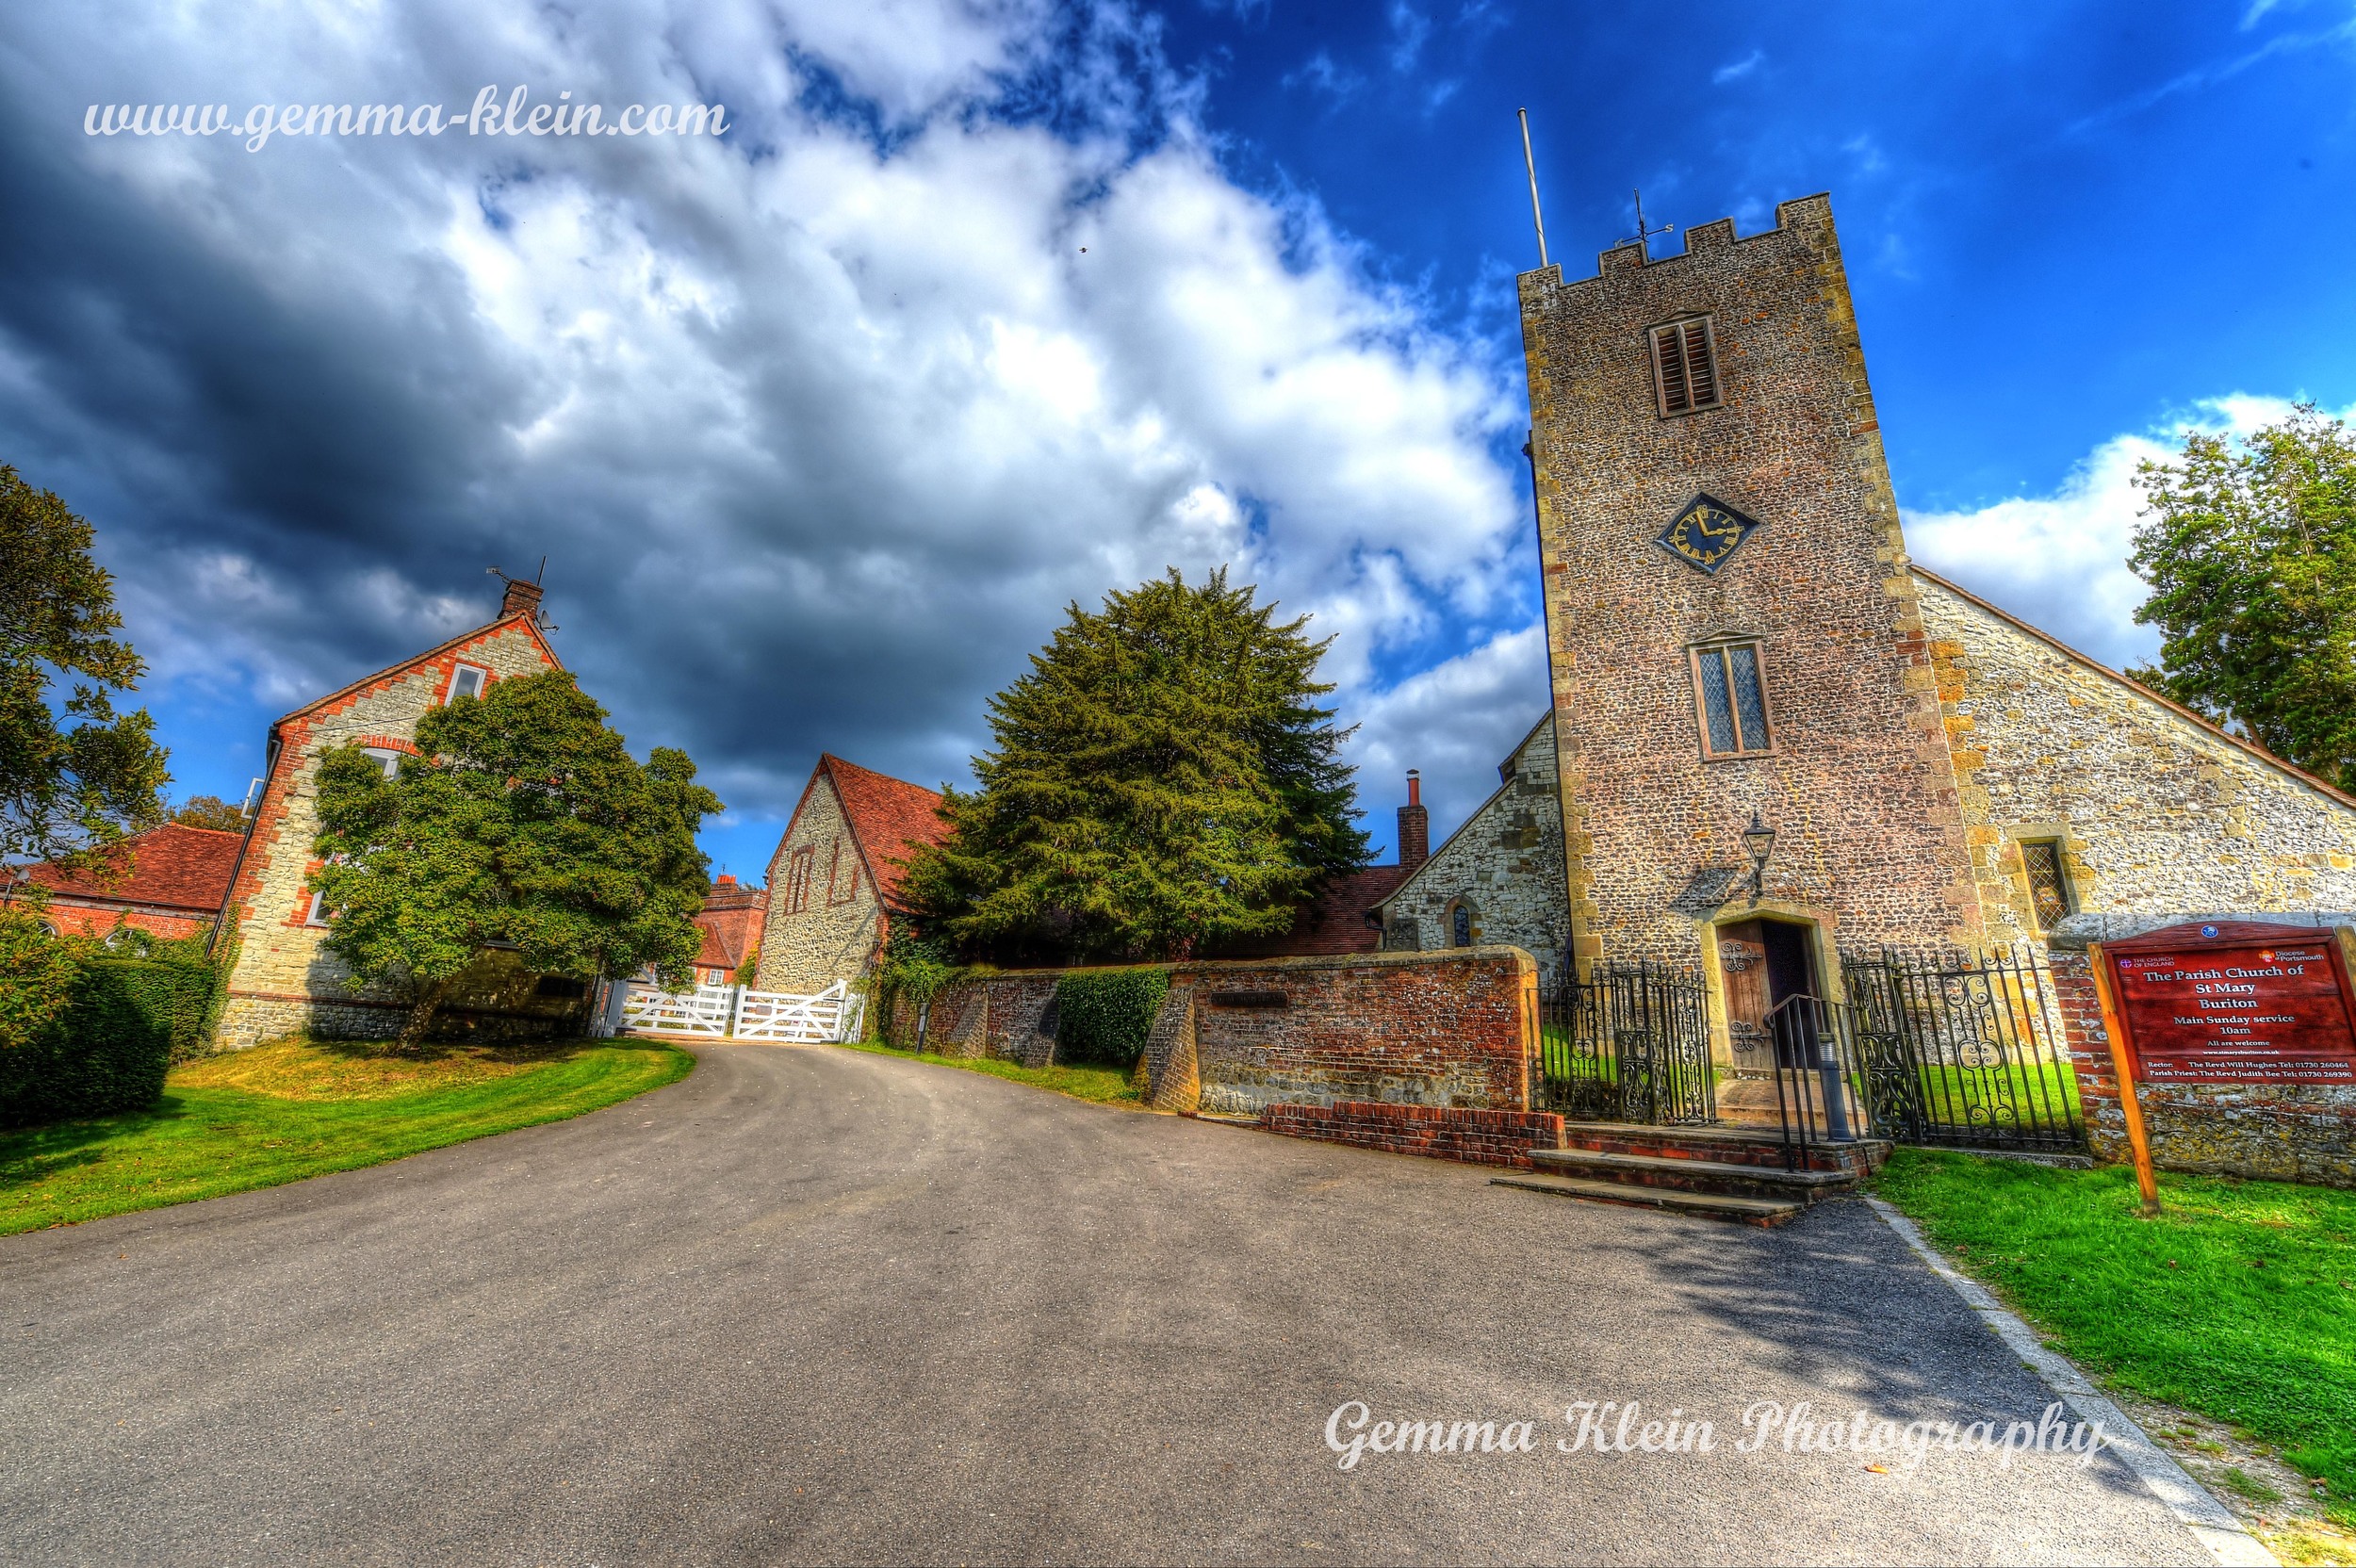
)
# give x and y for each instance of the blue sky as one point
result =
(823, 422)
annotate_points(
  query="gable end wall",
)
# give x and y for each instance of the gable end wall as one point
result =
(2154, 812)
(285, 979)
(1506, 862)
(835, 935)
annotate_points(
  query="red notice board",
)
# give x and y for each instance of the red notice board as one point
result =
(2235, 1001)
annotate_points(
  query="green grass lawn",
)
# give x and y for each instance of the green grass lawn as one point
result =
(2238, 1302)
(2033, 1095)
(1101, 1085)
(292, 1109)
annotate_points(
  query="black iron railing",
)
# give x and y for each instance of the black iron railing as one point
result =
(1632, 1043)
(1963, 1050)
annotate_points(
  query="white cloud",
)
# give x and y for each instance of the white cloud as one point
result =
(1734, 71)
(2059, 562)
(819, 432)
(1454, 723)
(1321, 75)
(1410, 28)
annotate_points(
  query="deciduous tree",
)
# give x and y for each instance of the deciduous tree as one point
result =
(209, 811)
(2250, 552)
(1163, 780)
(525, 821)
(75, 775)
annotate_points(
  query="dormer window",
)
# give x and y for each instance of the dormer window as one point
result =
(467, 681)
(1685, 366)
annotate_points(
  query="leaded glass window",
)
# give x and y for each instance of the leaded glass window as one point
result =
(1731, 694)
(2049, 886)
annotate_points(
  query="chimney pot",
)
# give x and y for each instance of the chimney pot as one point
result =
(1414, 824)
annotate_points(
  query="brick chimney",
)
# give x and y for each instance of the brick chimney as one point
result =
(1414, 825)
(521, 598)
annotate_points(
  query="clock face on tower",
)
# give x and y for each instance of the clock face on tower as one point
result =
(1704, 533)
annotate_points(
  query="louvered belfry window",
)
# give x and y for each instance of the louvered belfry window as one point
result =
(1685, 366)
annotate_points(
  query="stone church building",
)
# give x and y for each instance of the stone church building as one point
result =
(1736, 634)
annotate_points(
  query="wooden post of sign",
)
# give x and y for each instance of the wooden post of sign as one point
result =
(2122, 1069)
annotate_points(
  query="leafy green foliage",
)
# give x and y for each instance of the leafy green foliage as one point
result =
(209, 811)
(2250, 552)
(2238, 1302)
(107, 1050)
(1102, 1016)
(37, 971)
(1161, 779)
(525, 821)
(71, 788)
(913, 969)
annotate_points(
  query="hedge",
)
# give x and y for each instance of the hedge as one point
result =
(128, 1020)
(1102, 1016)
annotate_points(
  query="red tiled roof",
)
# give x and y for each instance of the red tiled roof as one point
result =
(732, 919)
(171, 866)
(889, 818)
(1333, 922)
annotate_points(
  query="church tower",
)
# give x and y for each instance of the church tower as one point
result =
(1734, 631)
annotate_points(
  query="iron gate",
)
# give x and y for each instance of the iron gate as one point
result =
(1962, 1050)
(1629, 1044)
(1955, 1050)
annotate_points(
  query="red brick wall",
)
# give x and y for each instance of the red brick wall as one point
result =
(1445, 1028)
(92, 920)
(2278, 1131)
(1477, 1137)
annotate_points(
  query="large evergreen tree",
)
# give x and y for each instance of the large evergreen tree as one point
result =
(2250, 552)
(1163, 780)
(525, 821)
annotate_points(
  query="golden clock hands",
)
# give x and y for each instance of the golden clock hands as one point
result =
(1701, 520)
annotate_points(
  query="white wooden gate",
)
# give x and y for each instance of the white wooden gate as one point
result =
(705, 1010)
(719, 1012)
(829, 1015)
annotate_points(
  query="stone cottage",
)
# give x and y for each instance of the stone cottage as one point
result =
(283, 978)
(1736, 635)
(836, 875)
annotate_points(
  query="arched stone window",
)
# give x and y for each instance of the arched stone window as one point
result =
(1464, 922)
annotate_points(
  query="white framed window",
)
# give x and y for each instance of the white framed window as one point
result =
(467, 681)
(318, 910)
(385, 758)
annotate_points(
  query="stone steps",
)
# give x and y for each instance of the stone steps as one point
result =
(1725, 1178)
(1745, 1146)
(1731, 1173)
(1708, 1205)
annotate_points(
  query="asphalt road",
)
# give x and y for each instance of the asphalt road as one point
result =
(815, 1305)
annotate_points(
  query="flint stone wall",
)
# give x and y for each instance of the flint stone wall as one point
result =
(1455, 1028)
